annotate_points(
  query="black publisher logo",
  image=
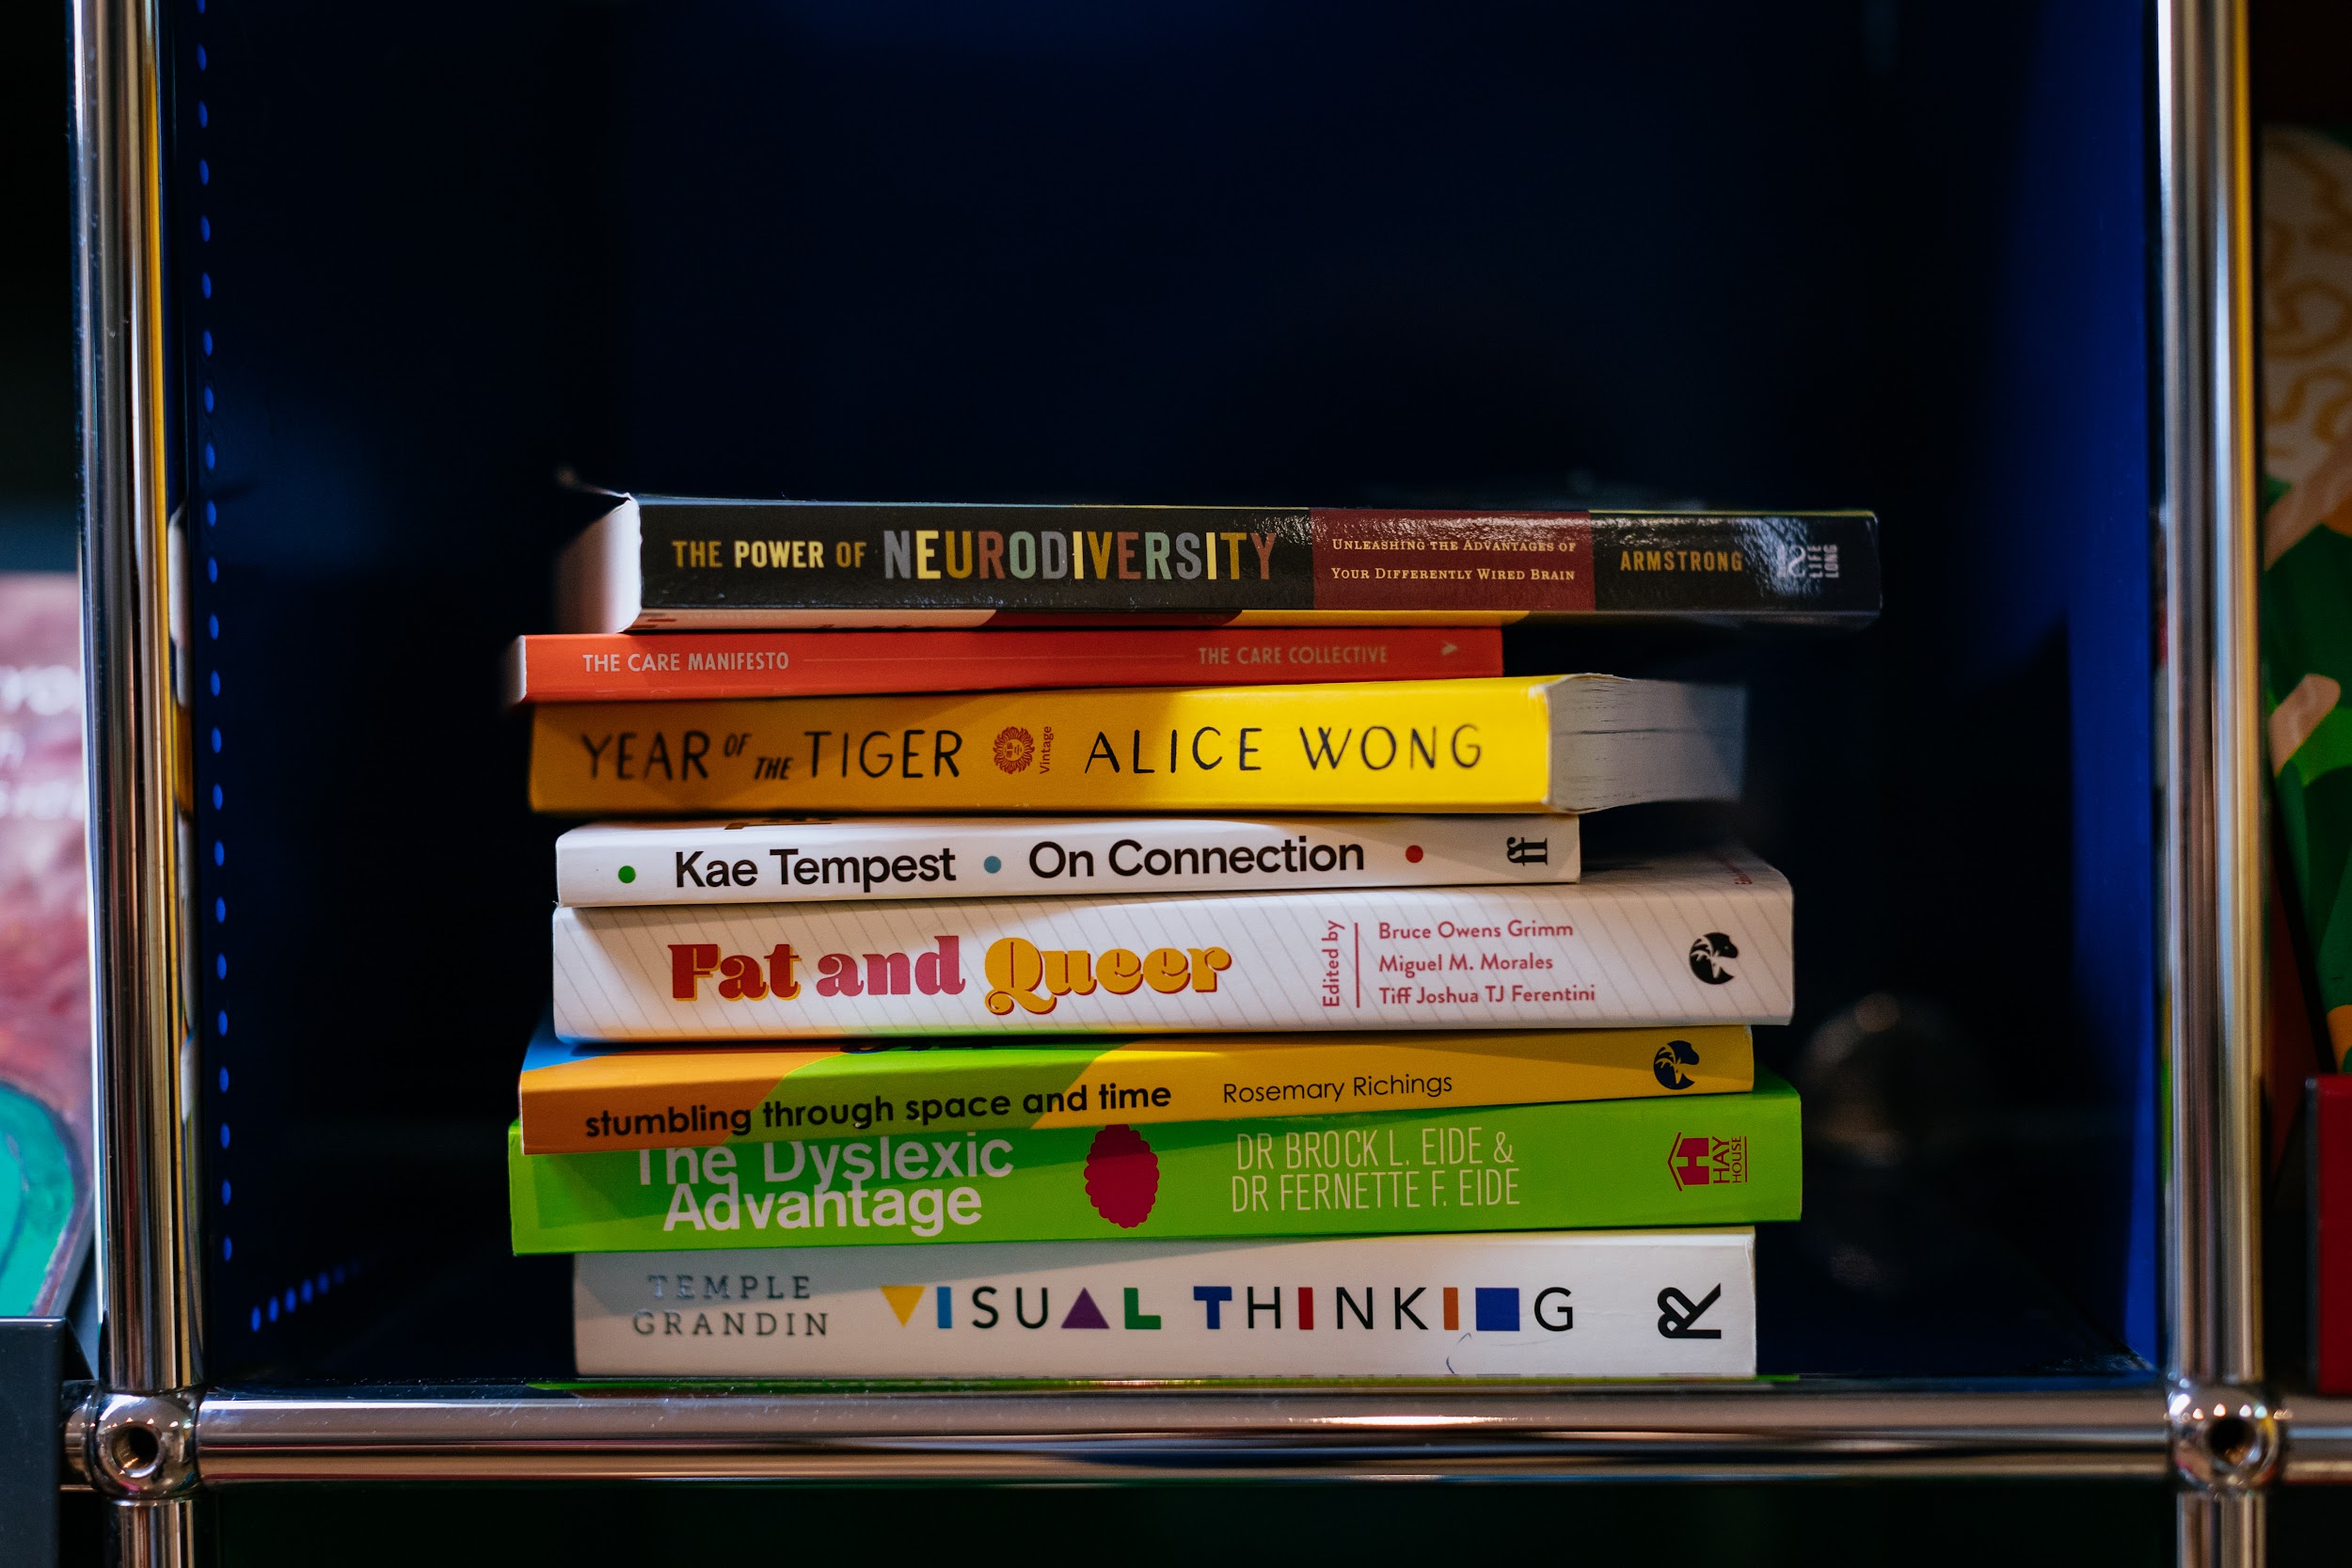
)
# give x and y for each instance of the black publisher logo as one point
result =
(1706, 954)
(1671, 1059)
(1677, 1312)
(1526, 851)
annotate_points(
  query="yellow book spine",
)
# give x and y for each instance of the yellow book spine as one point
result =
(1452, 746)
(652, 1098)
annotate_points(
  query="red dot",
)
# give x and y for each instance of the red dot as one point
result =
(1412, 854)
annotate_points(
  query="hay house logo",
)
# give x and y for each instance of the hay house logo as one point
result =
(1698, 1160)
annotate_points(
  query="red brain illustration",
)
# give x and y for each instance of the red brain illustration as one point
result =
(1123, 1177)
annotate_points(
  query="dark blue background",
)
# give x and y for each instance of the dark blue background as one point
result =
(1818, 254)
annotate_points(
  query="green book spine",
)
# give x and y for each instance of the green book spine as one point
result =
(1726, 1160)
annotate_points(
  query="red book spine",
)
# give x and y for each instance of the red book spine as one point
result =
(691, 666)
(2331, 1232)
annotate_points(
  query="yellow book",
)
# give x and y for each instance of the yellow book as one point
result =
(1569, 743)
(583, 1098)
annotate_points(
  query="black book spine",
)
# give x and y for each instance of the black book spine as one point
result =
(701, 559)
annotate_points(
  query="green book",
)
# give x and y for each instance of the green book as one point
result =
(2307, 549)
(1729, 1159)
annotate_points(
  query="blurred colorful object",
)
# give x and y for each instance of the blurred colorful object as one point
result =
(45, 947)
(2307, 539)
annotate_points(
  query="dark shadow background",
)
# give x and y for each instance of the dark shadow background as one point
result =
(1880, 252)
(1828, 1526)
(38, 471)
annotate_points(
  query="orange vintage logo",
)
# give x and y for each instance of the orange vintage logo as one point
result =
(1015, 748)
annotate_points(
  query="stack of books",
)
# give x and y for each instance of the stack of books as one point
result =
(1261, 1020)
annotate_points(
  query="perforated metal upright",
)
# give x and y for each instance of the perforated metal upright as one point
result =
(2223, 1429)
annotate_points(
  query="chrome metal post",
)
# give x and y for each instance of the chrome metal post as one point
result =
(1741, 1432)
(2217, 1529)
(139, 1429)
(155, 1534)
(2225, 1432)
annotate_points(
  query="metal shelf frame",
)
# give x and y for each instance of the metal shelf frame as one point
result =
(153, 1433)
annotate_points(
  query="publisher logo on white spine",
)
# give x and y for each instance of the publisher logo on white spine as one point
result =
(1706, 955)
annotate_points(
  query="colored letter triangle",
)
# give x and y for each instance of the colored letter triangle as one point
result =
(1084, 1314)
(903, 1300)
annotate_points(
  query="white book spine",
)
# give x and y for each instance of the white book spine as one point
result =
(948, 857)
(1692, 940)
(1557, 1303)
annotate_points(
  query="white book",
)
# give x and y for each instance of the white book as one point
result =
(1606, 1304)
(810, 858)
(1690, 939)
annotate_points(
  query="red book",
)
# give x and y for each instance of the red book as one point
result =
(688, 666)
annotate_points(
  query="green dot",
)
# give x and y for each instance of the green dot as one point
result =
(629, 874)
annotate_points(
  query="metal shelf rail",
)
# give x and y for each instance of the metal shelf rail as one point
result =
(153, 1432)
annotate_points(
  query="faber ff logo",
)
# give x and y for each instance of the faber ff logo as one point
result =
(1016, 748)
(1676, 1312)
(1704, 951)
(1671, 1059)
(1526, 851)
(1703, 1162)
(1494, 1309)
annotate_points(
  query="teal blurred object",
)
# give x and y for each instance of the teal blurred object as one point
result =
(37, 1204)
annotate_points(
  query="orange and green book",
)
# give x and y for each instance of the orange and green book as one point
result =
(578, 1099)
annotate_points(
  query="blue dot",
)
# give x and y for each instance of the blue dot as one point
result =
(227, 1249)
(212, 458)
(221, 966)
(224, 1080)
(208, 342)
(204, 227)
(992, 865)
(212, 625)
(273, 1308)
(212, 569)
(216, 683)
(224, 1134)
(220, 851)
(216, 797)
(322, 1284)
(305, 1290)
(211, 513)
(215, 740)
(290, 1300)
(206, 279)
(224, 1189)
(338, 1275)
(220, 1022)
(220, 912)
(200, 57)
(203, 116)
(257, 1321)
(203, 172)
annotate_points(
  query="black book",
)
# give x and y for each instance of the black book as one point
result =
(664, 563)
